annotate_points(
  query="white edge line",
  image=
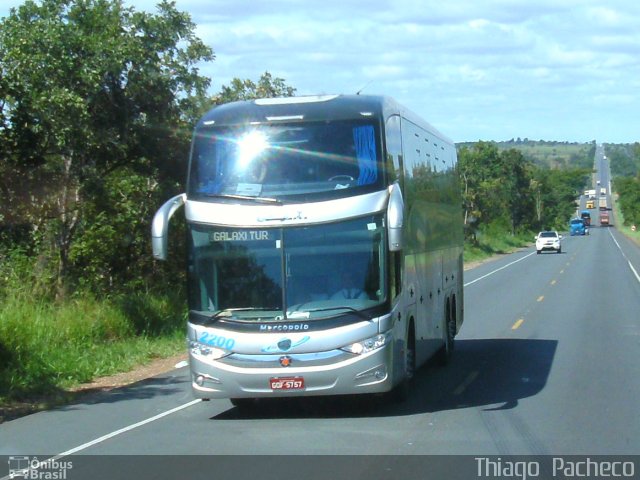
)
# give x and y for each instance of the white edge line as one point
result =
(617, 244)
(497, 270)
(128, 428)
(634, 271)
(625, 257)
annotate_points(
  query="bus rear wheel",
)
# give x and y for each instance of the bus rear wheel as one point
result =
(449, 333)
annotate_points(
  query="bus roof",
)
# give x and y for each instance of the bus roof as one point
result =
(310, 108)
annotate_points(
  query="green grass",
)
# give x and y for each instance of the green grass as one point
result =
(47, 347)
(490, 244)
(618, 220)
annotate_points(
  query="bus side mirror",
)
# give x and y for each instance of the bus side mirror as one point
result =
(395, 217)
(160, 226)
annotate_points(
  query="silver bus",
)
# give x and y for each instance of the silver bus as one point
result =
(325, 247)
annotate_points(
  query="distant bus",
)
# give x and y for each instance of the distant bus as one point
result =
(325, 247)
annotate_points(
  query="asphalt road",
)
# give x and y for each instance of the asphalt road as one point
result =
(546, 363)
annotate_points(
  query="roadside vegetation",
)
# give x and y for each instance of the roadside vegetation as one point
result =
(495, 243)
(48, 347)
(550, 154)
(623, 225)
(507, 198)
(97, 105)
(625, 169)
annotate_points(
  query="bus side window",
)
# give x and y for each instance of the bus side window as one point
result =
(393, 140)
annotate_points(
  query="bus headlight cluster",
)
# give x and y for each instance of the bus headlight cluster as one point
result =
(368, 345)
(202, 350)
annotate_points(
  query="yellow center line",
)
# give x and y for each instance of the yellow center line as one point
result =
(540, 298)
(517, 324)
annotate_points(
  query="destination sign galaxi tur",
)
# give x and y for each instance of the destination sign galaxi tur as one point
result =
(239, 236)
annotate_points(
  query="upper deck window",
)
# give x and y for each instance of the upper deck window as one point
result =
(302, 161)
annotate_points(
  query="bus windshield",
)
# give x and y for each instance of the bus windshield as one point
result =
(287, 273)
(303, 161)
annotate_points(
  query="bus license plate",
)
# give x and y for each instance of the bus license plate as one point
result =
(286, 383)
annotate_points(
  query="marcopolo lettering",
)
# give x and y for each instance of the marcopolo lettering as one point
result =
(285, 328)
(239, 236)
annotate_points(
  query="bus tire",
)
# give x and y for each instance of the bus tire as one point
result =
(402, 391)
(449, 327)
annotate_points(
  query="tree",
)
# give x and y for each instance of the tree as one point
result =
(628, 189)
(557, 189)
(518, 195)
(502, 190)
(91, 91)
(267, 87)
(624, 159)
(476, 180)
(496, 187)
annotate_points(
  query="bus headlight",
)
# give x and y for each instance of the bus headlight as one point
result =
(202, 350)
(368, 345)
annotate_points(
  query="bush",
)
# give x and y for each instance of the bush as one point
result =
(154, 314)
(629, 199)
(47, 346)
(495, 239)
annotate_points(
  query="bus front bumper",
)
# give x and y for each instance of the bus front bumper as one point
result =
(311, 374)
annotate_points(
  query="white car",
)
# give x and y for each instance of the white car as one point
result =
(548, 240)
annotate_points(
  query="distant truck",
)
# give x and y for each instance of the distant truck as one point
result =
(591, 204)
(603, 191)
(602, 203)
(604, 219)
(585, 215)
(590, 193)
(577, 227)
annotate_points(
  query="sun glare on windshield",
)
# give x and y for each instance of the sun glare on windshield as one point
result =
(250, 145)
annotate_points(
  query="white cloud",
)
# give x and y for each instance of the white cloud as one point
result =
(476, 69)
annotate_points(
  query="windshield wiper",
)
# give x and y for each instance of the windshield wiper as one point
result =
(359, 313)
(228, 313)
(245, 197)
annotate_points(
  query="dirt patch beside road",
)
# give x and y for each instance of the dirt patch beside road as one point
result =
(15, 409)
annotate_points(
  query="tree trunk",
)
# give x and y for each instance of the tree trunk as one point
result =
(68, 208)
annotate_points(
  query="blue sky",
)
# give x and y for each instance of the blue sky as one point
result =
(565, 70)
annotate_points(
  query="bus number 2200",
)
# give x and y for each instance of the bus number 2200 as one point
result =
(217, 341)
